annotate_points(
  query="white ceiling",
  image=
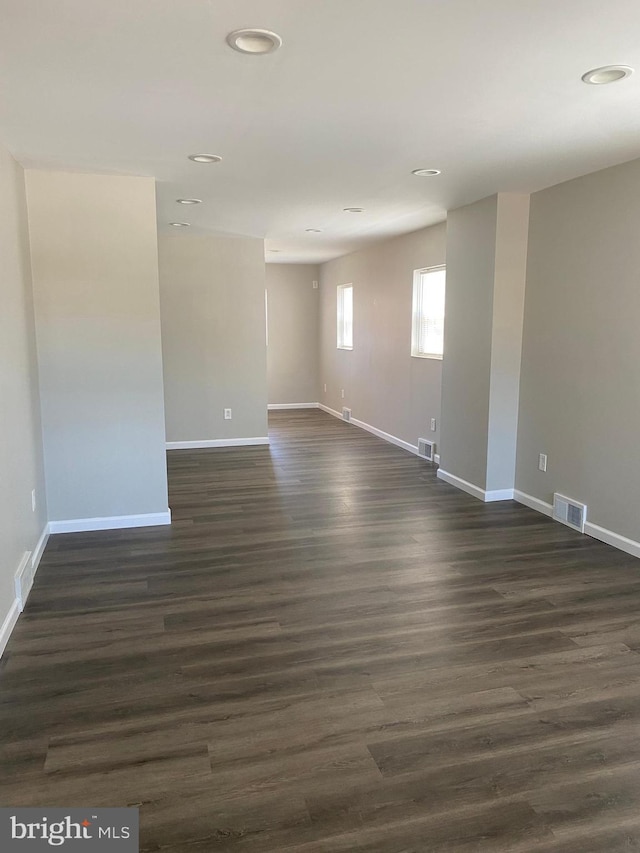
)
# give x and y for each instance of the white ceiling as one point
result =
(361, 93)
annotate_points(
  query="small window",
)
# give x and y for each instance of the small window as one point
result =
(345, 316)
(427, 335)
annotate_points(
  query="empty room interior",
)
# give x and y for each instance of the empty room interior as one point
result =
(319, 418)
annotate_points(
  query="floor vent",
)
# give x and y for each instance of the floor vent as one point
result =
(24, 580)
(426, 449)
(346, 414)
(569, 512)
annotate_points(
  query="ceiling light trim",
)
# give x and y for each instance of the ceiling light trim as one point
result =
(254, 41)
(188, 201)
(205, 158)
(426, 173)
(606, 74)
(180, 224)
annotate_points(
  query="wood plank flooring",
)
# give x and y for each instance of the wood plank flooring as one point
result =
(331, 650)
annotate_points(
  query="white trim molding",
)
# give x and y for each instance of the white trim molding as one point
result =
(23, 581)
(533, 503)
(392, 439)
(330, 411)
(386, 436)
(490, 496)
(217, 442)
(111, 522)
(630, 546)
(39, 549)
(9, 624)
(274, 407)
(616, 540)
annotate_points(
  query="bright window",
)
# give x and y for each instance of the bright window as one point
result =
(427, 335)
(345, 316)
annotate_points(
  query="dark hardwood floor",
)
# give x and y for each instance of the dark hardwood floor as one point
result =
(331, 650)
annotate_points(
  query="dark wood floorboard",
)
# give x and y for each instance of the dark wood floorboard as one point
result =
(332, 650)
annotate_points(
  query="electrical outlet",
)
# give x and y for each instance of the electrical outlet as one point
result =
(433, 424)
(33, 500)
(342, 393)
(315, 285)
(542, 462)
(227, 414)
(325, 387)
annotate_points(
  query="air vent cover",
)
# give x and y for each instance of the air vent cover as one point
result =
(346, 414)
(569, 512)
(24, 580)
(426, 449)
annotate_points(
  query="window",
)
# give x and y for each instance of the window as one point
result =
(428, 312)
(345, 316)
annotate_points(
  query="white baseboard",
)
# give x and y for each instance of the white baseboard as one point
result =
(8, 625)
(23, 580)
(386, 436)
(24, 576)
(490, 496)
(622, 543)
(493, 495)
(630, 546)
(330, 411)
(533, 503)
(217, 442)
(112, 522)
(392, 439)
(39, 549)
(274, 407)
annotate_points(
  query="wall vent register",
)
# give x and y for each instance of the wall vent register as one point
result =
(569, 512)
(426, 449)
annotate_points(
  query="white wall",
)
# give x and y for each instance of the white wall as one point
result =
(95, 273)
(293, 317)
(580, 385)
(213, 337)
(384, 385)
(21, 465)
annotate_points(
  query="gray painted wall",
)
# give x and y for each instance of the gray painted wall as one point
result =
(486, 264)
(213, 336)
(580, 383)
(95, 274)
(512, 229)
(21, 466)
(384, 385)
(293, 317)
(471, 243)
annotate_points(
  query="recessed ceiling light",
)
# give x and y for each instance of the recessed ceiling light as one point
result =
(426, 173)
(180, 224)
(353, 209)
(254, 41)
(189, 200)
(205, 158)
(313, 231)
(607, 74)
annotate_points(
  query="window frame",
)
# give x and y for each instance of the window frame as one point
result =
(341, 327)
(416, 312)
